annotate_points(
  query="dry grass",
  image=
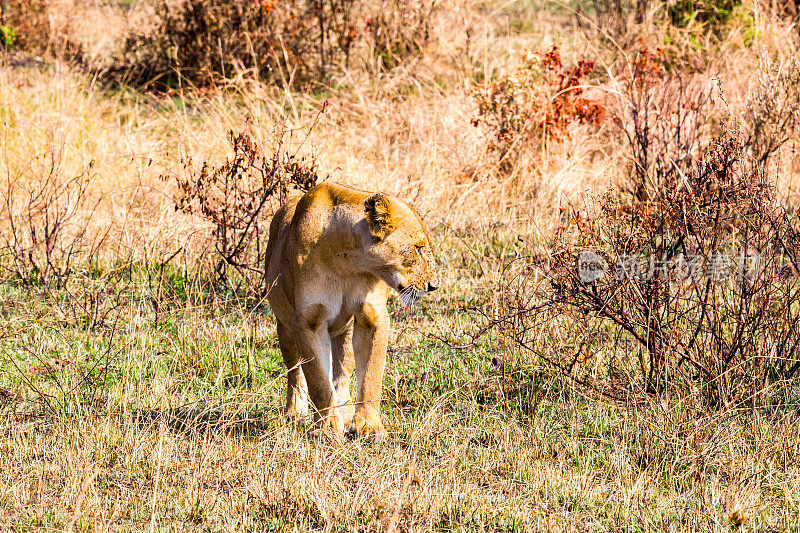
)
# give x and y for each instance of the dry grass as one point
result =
(166, 414)
(186, 432)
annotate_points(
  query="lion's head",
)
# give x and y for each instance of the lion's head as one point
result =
(401, 253)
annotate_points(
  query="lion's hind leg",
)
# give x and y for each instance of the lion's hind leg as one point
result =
(296, 389)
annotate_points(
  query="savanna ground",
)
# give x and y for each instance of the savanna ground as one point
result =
(138, 391)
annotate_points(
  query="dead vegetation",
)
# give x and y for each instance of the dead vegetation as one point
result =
(238, 198)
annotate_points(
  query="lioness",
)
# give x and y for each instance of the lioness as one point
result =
(333, 255)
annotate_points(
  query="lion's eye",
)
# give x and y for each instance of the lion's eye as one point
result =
(409, 259)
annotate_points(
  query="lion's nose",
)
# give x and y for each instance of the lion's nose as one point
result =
(431, 287)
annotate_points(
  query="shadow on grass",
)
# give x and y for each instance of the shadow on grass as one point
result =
(199, 420)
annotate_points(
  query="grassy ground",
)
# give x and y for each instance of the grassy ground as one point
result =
(138, 398)
(175, 423)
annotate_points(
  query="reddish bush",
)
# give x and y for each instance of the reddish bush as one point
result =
(238, 198)
(541, 100)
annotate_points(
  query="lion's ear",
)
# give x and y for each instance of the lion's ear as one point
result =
(379, 215)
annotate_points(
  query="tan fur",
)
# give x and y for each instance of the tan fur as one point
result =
(333, 255)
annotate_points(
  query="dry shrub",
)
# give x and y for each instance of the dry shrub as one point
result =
(697, 35)
(697, 288)
(238, 198)
(661, 115)
(771, 115)
(533, 105)
(667, 118)
(204, 41)
(45, 234)
(50, 245)
(691, 273)
(702, 278)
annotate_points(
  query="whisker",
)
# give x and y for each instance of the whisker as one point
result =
(409, 296)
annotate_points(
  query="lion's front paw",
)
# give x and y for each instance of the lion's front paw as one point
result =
(347, 411)
(296, 415)
(296, 405)
(367, 425)
(330, 426)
